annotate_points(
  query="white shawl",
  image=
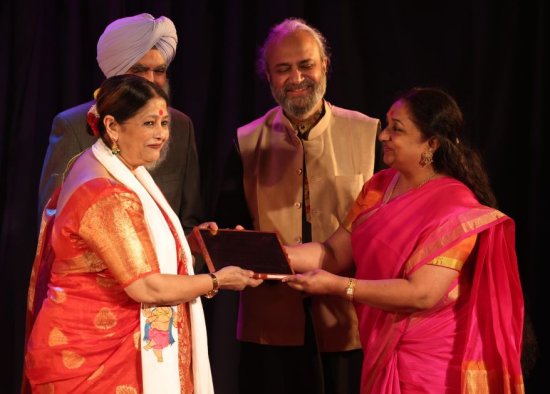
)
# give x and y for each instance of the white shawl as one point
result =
(163, 377)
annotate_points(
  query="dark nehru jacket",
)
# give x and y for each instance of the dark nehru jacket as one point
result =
(177, 176)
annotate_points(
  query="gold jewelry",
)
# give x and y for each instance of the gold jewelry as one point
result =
(115, 150)
(350, 288)
(397, 192)
(426, 158)
(434, 174)
(215, 287)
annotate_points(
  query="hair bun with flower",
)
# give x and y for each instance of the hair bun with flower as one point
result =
(93, 120)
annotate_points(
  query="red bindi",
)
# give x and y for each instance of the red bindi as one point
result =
(160, 112)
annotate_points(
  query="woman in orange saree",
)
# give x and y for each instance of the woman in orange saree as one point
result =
(113, 305)
(436, 285)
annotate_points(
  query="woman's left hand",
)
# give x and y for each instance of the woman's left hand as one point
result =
(192, 239)
(214, 226)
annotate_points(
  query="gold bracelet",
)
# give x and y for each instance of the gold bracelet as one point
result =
(215, 287)
(350, 288)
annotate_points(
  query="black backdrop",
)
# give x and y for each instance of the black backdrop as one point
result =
(491, 54)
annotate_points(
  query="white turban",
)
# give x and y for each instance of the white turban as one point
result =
(125, 41)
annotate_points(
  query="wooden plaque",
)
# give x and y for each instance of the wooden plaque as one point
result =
(258, 251)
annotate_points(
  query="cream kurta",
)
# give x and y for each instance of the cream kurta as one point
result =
(339, 158)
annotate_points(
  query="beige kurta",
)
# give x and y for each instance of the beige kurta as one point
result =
(339, 158)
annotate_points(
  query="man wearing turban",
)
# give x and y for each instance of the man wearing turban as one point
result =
(144, 46)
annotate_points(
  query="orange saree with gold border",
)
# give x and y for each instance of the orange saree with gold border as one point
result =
(83, 330)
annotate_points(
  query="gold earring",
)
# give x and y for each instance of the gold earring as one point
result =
(115, 150)
(426, 158)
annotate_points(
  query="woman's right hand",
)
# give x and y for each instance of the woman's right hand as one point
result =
(236, 278)
(316, 282)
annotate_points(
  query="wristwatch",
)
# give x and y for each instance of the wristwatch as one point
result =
(350, 288)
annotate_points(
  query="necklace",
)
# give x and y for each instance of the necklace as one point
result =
(397, 192)
(432, 176)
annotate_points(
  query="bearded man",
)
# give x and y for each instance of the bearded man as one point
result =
(144, 46)
(304, 163)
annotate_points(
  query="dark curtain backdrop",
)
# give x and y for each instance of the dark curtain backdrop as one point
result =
(491, 54)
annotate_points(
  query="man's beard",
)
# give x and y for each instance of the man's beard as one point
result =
(297, 107)
(162, 156)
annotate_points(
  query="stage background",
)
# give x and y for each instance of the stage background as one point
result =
(491, 54)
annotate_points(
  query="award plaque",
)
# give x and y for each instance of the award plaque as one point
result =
(258, 251)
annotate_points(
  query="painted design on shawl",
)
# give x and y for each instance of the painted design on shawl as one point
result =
(158, 329)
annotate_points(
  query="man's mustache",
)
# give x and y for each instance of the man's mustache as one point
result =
(295, 86)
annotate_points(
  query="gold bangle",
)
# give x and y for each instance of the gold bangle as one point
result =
(350, 288)
(215, 287)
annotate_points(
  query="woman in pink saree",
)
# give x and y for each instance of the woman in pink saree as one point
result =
(436, 284)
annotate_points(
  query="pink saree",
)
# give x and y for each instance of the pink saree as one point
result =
(470, 342)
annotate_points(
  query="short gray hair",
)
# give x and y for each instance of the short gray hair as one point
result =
(290, 25)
